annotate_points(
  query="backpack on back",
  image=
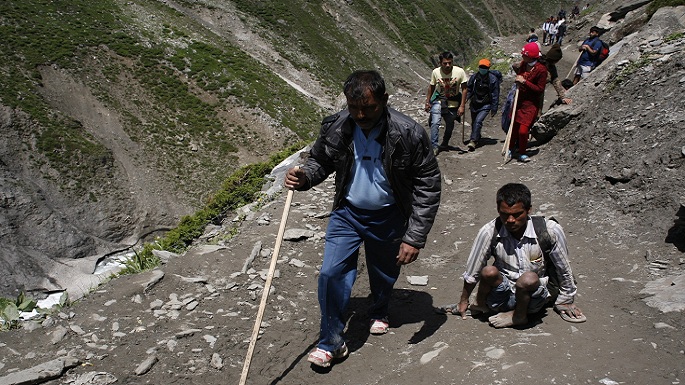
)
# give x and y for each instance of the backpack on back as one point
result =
(602, 53)
(508, 108)
(498, 78)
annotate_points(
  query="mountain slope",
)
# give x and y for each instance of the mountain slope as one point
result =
(119, 117)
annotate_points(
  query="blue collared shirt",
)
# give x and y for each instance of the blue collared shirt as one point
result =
(369, 187)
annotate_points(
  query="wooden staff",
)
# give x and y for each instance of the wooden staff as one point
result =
(575, 64)
(505, 149)
(267, 287)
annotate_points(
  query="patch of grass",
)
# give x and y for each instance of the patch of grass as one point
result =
(241, 188)
(674, 36)
(627, 72)
(501, 61)
(142, 261)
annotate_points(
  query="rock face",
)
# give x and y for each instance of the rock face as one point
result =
(49, 236)
(625, 146)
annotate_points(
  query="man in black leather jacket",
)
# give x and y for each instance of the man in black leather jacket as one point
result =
(387, 195)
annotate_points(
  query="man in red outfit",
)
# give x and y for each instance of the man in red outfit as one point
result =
(531, 78)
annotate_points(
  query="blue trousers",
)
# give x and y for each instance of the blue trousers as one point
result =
(381, 232)
(478, 116)
(438, 113)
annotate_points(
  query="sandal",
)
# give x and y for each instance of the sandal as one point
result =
(569, 313)
(379, 326)
(471, 310)
(324, 358)
(448, 309)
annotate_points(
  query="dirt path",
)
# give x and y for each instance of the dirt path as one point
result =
(118, 326)
(619, 342)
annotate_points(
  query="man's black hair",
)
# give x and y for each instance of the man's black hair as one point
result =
(596, 29)
(512, 193)
(359, 81)
(446, 55)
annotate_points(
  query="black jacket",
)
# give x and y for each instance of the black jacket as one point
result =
(408, 160)
(494, 79)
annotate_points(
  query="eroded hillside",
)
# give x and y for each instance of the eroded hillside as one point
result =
(119, 117)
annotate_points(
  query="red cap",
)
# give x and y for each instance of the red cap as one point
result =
(484, 63)
(532, 50)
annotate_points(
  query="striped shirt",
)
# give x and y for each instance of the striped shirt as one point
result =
(514, 257)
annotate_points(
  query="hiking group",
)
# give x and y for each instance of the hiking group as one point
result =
(387, 195)
(592, 51)
(450, 88)
(449, 84)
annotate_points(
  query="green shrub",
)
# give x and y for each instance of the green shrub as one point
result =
(241, 188)
(674, 36)
(627, 72)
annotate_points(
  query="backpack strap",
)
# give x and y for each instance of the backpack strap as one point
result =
(545, 242)
(495, 239)
(540, 227)
(544, 239)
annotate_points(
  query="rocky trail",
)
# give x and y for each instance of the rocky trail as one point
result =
(193, 325)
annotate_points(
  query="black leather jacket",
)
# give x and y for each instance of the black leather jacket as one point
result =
(408, 160)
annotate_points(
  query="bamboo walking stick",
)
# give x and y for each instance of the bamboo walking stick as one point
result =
(505, 148)
(267, 287)
(575, 64)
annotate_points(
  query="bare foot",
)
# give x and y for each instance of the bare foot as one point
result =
(505, 320)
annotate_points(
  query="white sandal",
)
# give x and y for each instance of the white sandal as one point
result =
(379, 326)
(324, 358)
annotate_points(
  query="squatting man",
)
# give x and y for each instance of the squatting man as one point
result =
(520, 280)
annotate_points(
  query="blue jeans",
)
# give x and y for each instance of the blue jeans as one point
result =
(381, 232)
(437, 113)
(478, 116)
